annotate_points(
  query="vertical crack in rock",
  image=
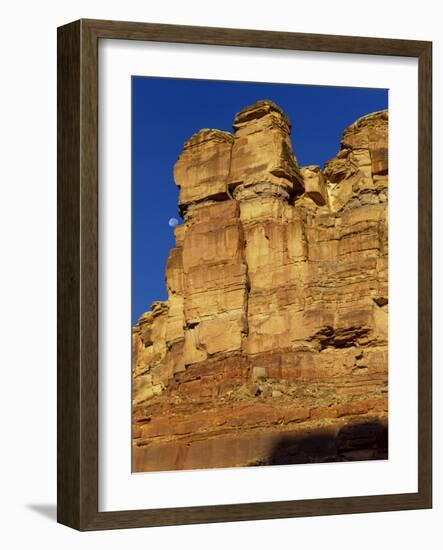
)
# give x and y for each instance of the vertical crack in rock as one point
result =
(272, 345)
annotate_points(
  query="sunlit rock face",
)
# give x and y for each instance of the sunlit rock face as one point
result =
(272, 345)
(262, 160)
(202, 170)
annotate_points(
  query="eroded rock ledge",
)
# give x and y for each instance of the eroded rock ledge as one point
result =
(272, 345)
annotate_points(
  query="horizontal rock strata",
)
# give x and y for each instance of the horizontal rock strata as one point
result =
(272, 345)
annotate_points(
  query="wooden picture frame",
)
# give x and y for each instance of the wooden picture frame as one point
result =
(78, 274)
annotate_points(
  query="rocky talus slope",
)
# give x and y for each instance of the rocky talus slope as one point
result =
(272, 345)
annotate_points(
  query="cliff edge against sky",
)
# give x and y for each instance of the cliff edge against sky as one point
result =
(272, 345)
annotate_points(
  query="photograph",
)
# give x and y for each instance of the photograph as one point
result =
(259, 274)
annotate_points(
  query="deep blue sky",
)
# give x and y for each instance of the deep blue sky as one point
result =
(167, 111)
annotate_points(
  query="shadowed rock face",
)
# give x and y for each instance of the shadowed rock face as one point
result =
(272, 345)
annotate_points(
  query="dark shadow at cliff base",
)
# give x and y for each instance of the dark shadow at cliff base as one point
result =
(362, 441)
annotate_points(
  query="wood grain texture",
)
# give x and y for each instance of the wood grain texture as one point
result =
(425, 274)
(77, 430)
(68, 276)
(254, 38)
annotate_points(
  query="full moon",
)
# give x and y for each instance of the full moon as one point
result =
(173, 222)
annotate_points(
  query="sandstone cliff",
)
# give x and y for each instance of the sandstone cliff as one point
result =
(272, 345)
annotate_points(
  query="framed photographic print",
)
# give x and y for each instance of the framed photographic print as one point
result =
(244, 275)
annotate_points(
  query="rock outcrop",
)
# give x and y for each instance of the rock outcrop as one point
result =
(272, 345)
